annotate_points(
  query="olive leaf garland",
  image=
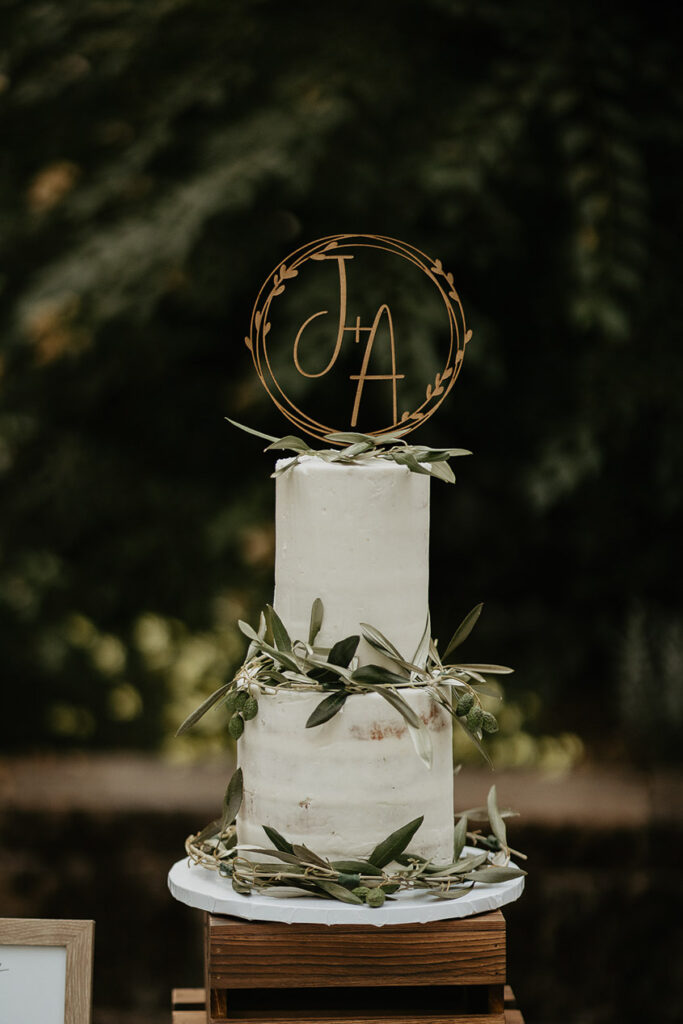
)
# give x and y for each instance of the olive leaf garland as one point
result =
(361, 449)
(294, 870)
(276, 662)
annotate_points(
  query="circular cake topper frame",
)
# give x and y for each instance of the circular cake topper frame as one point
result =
(341, 248)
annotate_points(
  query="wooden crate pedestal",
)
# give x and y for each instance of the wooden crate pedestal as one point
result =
(444, 972)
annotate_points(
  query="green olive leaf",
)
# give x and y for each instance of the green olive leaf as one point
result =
(343, 651)
(459, 837)
(232, 801)
(327, 709)
(287, 892)
(441, 454)
(396, 437)
(289, 443)
(287, 858)
(278, 841)
(285, 468)
(394, 845)
(379, 641)
(462, 866)
(500, 670)
(281, 657)
(450, 894)
(307, 856)
(464, 629)
(388, 650)
(359, 448)
(362, 867)
(398, 703)
(250, 430)
(209, 831)
(277, 627)
(442, 471)
(316, 620)
(471, 861)
(337, 891)
(376, 675)
(493, 874)
(406, 458)
(205, 706)
(431, 455)
(349, 438)
(495, 819)
(248, 631)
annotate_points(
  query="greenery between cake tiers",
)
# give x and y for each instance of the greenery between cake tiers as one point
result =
(275, 662)
(389, 869)
(363, 449)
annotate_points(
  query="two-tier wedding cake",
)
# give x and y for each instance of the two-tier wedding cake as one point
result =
(344, 707)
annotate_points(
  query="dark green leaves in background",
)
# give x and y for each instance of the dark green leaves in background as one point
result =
(158, 161)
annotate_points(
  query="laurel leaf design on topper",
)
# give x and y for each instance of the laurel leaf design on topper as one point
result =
(438, 382)
(341, 249)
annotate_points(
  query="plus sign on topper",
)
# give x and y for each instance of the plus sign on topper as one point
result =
(376, 325)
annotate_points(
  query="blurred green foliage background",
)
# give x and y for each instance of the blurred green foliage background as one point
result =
(158, 160)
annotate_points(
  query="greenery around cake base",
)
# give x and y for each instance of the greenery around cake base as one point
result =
(275, 662)
(295, 870)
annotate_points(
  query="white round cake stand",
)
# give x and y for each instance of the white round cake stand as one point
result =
(206, 890)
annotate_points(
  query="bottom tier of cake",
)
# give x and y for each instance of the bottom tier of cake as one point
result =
(341, 787)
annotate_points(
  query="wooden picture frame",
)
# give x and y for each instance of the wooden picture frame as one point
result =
(77, 937)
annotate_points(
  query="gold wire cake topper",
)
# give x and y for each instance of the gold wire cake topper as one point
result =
(346, 251)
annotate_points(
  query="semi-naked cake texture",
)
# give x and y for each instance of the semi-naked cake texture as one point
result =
(358, 538)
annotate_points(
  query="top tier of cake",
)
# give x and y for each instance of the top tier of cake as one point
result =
(357, 537)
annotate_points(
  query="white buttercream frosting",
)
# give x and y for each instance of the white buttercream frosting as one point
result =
(357, 537)
(342, 787)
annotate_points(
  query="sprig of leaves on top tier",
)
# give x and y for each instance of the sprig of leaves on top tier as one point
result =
(388, 869)
(274, 661)
(360, 449)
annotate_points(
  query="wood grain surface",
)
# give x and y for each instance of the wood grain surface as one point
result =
(259, 954)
